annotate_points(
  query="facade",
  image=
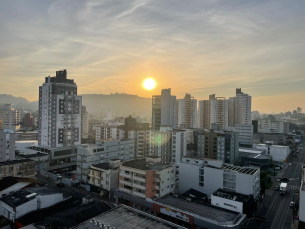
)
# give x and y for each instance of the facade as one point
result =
(207, 176)
(26, 135)
(270, 125)
(9, 117)
(186, 116)
(59, 112)
(220, 145)
(20, 203)
(242, 108)
(245, 133)
(163, 109)
(17, 168)
(277, 152)
(7, 145)
(302, 199)
(101, 152)
(276, 139)
(147, 177)
(28, 120)
(105, 175)
(85, 122)
(168, 144)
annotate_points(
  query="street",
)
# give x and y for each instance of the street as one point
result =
(275, 207)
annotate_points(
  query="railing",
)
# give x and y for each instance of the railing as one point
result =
(139, 186)
(139, 194)
(126, 182)
(139, 178)
(126, 175)
(125, 190)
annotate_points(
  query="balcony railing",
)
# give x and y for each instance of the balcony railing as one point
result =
(139, 178)
(139, 194)
(126, 175)
(126, 182)
(139, 186)
(126, 190)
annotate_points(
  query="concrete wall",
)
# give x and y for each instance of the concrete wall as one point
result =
(14, 188)
(213, 180)
(49, 200)
(279, 153)
(189, 177)
(26, 208)
(227, 204)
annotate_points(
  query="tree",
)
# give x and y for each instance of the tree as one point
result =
(288, 113)
(294, 112)
(299, 110)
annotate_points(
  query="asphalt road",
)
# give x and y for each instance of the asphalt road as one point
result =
(275, 207)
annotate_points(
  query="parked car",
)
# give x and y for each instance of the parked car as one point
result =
(59, 177)
(276, 188)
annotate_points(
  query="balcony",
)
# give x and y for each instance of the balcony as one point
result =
(157, 195)
(125, 190)
(125, 182)
(139, 179)
(128, 175)
(139, 186)
(139, 194)
(157, 179)
(157, 187)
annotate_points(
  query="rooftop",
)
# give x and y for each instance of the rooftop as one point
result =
(104, 166)
(141, 164)
(246, 170)
(231, 195)
(206, 211)
(257, 156)
(12, 162)
(251, 150)
(7, 182)
(124, 217)
(38, 154)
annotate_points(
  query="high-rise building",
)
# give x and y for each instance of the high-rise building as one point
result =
(59, 112)
(9, 117)
(7, 145)
(28, 120)
(186, 116)
(85, 122)
(242, 108)
(163, 109)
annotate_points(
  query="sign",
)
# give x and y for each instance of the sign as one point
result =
(177, 215)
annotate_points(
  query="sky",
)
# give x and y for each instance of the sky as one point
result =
(198, 47)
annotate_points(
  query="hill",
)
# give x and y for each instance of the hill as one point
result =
(19, 102)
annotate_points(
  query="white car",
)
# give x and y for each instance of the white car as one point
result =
(289, 164)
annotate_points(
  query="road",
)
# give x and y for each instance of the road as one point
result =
(275, 207)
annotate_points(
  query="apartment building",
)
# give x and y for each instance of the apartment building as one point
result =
(7, 145)
(101, 152)
(169, 144)
(85, 122)
(208, 175)
(302, 199)
(163, 109)
(242, 107)
(186, 116)
(27, 120)
(9, 117)
(59, 121)
(105, 176)
(17, 168)
(220, 145)
(270, 125)
(147, 177)
(26, 135)
(245, 133)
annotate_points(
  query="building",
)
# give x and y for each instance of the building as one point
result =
(270, 125)
(42, 159)
(277, 152)
(276, 139)
(163, 109)
(147, 177)
(245, 133)
(254, 157)
(19, 203)
(125, 217)
(186, 116)
(27, 120)
(17, 168)
(302, 199)
(213, 111)
(220, 145)
(169, 144)
(9, 117)
(85, 122)
(59, 112)
(232, 201)
(101, 152)
(242, 108)
(192, 214)
(207, 176)
(104, 176)
(7, 145)
(26, 135)
(9, 185)
(106, 132)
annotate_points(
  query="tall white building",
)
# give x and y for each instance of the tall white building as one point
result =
(10, 117)
(85, 122)
(207, 176)
(59, 112)
(163, 109)
(242, 108)
(186, 116)
(245, 133)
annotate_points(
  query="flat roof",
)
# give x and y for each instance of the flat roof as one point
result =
(17, 198)
(206, 211)
(231, 195)
(124, 217)
(256, 156)
(141, 164)
(246, 170)
(251, 150)
(39, 154)
(12, 162)
(7, 182)
(104, 166)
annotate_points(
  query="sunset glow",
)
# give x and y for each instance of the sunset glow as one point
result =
(149, 84)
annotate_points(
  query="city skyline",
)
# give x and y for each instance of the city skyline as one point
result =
(202, 49)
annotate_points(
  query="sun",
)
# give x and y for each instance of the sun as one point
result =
(149, 84)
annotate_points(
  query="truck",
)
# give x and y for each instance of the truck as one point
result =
(283, 188)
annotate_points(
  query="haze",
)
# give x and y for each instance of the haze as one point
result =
(199, 47)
